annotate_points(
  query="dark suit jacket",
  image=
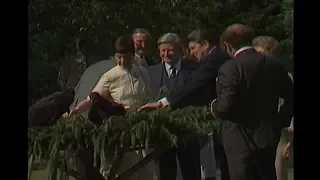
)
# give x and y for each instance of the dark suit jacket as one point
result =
(157, 75)
(189, 153)
(203, 78)
(248, 88)
(150, 61)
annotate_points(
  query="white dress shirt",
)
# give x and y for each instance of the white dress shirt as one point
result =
(164, 100)
(169, 68)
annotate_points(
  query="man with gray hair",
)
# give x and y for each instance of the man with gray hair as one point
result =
(142, 44)
(169, 74)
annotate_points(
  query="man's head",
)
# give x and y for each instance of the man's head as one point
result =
(235, 37)
(286, 144)
(267, 45)
(83, 46)
(201, 41)
(170, 48)
(124, 51)
(141, 38)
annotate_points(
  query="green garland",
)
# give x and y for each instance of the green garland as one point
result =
(135, 129)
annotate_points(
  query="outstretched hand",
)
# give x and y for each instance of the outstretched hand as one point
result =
(73, 112)
(150, 106)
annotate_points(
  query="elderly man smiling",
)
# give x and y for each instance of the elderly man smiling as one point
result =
(171, 73)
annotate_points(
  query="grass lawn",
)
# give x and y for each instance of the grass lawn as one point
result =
(42, 175)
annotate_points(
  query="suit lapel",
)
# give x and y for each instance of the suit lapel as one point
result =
(184, 73)
(183, 76)
(159, 73)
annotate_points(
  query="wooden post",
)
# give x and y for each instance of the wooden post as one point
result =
(30, 166)
(115, 166)
(153, 155)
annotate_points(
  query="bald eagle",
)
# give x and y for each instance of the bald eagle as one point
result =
(102, 109)
(48, 110)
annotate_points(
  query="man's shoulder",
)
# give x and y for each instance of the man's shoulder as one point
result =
(155, 66)
(113, 73)
(99, 63)
(140, 68)
(103, 63)
(189, 65)
(254, 56)
(273, 59)
(217, 56)
(228, 64)
(151, 60)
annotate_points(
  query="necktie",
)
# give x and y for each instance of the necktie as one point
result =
(143, 61)
(173, 72)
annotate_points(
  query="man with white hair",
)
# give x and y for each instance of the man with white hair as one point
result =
(142, 44)
(171, 73)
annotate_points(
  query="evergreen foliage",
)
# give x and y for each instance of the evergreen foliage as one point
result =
(58, 143)
(54, 24)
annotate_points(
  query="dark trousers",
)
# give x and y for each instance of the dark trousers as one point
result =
(221, 158)
(189, 161)
(84, 165)
(252, 165)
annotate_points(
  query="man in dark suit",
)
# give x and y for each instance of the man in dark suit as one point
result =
(205, 75)
(201, 43)
(171, 73)
(248, 88)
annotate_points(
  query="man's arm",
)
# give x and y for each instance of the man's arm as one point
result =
(285, 92)
(206, 74)
(76, 94)
(227, 83)
(102, 88)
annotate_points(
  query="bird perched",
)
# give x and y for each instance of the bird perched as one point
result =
(48, 110)
(102, 109)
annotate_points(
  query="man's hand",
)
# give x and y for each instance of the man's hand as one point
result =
(74, 112)
(65, 115)
(150, 106)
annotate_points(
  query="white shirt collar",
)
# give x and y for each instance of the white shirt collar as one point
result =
(137, 55)
(168, 67)
(140, 60)
(212, 49)
(242, 49)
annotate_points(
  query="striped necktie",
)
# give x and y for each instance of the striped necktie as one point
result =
(173, 72)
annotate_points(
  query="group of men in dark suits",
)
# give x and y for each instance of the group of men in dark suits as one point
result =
(245, 86)
(248, 87)
(203, 45)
